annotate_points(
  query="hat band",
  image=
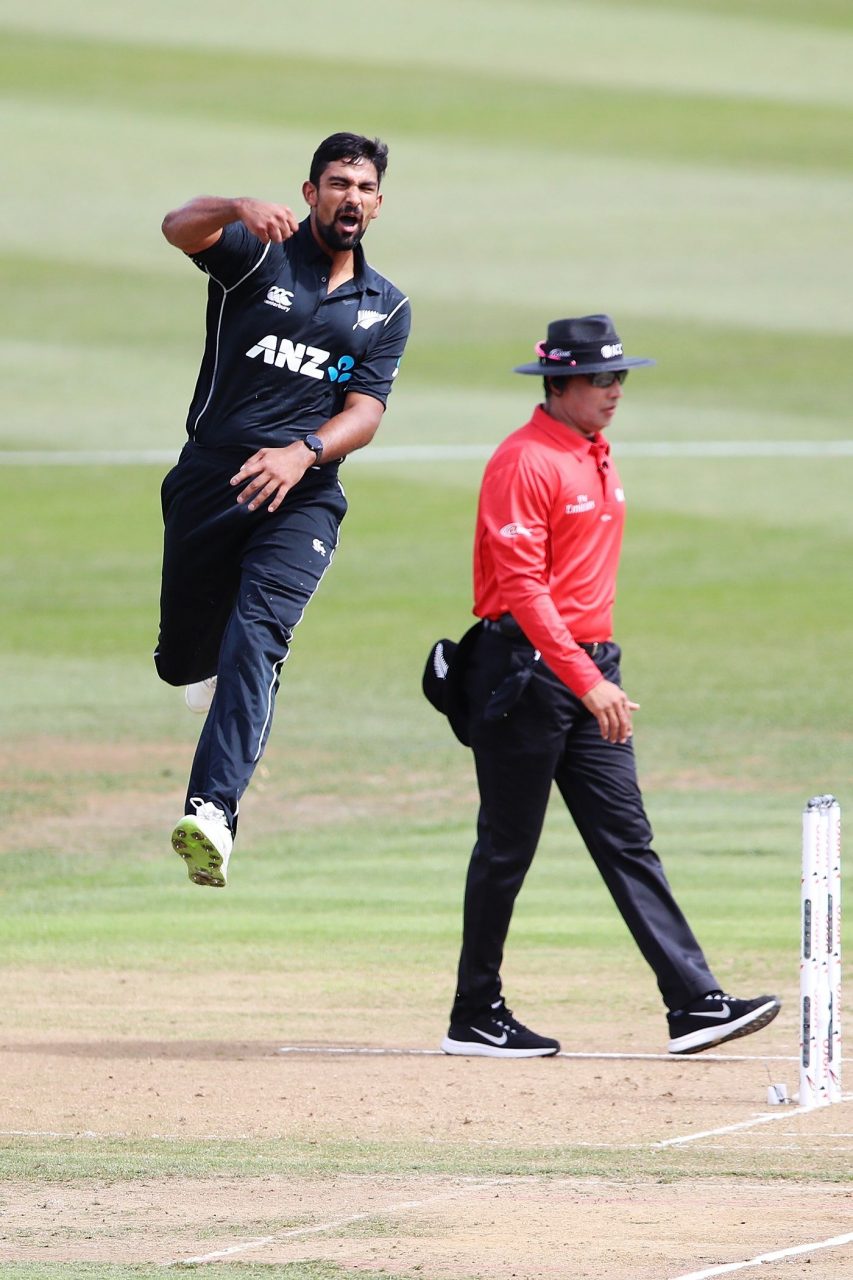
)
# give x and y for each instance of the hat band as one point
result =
(562, 357)
(585, 354)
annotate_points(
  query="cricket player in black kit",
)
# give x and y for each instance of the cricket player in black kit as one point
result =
(303, 343)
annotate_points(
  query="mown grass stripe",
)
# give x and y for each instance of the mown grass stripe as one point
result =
(235, 86)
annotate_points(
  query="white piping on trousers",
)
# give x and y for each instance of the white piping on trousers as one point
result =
(279, 662)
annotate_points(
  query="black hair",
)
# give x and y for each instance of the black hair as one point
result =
(554, 384)
(349, 146)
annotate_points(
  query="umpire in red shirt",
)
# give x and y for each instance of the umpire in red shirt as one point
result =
(539, 699)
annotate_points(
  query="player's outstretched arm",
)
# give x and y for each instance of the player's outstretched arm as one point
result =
(198, 224)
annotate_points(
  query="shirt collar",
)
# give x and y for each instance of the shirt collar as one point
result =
(571, 441)
(364, 276)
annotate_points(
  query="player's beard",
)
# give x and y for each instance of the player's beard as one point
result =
(340, 241)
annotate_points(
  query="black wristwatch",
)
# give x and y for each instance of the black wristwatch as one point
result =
(316, 445)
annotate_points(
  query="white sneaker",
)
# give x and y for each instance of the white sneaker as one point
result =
(199, 696)
(203, 839)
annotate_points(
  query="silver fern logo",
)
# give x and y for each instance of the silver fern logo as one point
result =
(366, 319)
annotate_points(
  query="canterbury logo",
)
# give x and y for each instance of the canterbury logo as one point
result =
(278, 297)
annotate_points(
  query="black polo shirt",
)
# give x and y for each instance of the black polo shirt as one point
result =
(281, 353)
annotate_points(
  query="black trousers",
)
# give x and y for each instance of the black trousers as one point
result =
(235, 584)
(549, 736)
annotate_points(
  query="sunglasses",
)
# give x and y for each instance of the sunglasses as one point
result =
(607, 379)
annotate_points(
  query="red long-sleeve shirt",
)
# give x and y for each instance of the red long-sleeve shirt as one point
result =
(547, 542)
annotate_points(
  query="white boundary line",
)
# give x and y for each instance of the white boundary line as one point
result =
(452, 452)
(833, 1243)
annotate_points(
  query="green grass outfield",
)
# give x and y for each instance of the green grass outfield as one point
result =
(729, 623)
(683, 166)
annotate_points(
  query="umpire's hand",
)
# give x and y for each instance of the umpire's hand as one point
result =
(612, 709)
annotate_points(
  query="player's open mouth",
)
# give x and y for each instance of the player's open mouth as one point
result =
(348, 221)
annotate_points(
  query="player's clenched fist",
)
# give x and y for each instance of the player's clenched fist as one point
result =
(197, 225)
(267, 221)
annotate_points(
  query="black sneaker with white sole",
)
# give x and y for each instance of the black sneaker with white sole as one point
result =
(715, 1018)
(497, 1034)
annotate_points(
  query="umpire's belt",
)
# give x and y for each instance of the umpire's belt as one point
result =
(506, 625)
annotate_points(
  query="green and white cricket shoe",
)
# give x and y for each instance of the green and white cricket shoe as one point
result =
(203, 839)
(199, 696)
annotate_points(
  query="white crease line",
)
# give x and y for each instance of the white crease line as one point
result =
(382, 1051)
(692, 1059)
(833, 1243)
(765, 1117)
(294, 1232)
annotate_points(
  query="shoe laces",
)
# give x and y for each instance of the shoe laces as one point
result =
(503, 1017)
(208, 811)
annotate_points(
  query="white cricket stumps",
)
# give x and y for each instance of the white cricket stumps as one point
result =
(820, 955)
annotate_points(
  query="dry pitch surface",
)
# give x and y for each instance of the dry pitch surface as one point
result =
(699, 1172)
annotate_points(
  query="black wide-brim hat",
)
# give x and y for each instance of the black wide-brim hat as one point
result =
(587, 344)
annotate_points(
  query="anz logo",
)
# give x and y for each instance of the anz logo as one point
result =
(299, 358)
(294, 356)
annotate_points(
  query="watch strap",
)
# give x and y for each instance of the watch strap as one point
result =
(315, 444)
